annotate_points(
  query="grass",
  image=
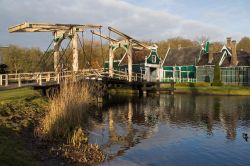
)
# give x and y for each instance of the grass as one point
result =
(66, 120)
(18, 110)
(62, 120)
(12, 149)
(14, 94)
(204, 88)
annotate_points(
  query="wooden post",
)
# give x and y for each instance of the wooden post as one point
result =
(19, 80)
(75, 51)
(111, 60)
(48, 77)
(6, 80)
(1, 80)
(58, 78)
(40, 79)
(56, 57)
(130, 62)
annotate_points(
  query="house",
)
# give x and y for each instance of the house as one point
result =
(179, 64)
(145, 62)
(192, 64)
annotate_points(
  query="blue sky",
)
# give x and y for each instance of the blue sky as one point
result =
(144, 19)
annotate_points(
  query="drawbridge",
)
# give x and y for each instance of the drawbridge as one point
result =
(61, 32)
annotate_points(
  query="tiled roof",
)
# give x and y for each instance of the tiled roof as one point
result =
(138, 57)
(187, 56)
(182, 56)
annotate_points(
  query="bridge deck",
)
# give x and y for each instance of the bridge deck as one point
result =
(44, 80)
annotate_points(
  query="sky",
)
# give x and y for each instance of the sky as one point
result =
(153, 20)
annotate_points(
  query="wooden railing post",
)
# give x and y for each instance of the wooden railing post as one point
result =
(19, 80)
(58, 78)
(48, 77)
(40, 79)
(37, 78)
(6, 80)
(1, 80)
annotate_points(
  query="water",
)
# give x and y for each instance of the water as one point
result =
(173, 130)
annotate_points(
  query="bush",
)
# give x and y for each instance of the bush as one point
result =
(217, 76)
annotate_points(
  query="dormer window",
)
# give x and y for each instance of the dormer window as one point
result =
(153, 59)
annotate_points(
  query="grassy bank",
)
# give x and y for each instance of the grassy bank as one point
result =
(204, 88)
(19, 110)
(35, 130)
(15, 94)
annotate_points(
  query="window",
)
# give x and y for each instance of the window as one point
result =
(153, 59)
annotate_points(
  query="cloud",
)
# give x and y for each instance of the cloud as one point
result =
(140, 22)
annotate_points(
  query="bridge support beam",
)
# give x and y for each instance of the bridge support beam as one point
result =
(111, 60)
(75, 51)
(130, 62)
(57, 44)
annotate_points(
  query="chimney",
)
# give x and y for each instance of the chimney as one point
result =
(229, 42)
(210, 55)
(234, 58)
(179, 46)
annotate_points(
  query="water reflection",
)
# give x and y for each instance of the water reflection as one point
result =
(125, 122)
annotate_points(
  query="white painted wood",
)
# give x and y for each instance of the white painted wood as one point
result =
(75, 51)
(19, 80)
(1, 80)
(111, 60)
(6, 80)
(130, 63)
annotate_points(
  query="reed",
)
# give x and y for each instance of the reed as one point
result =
(67, 111)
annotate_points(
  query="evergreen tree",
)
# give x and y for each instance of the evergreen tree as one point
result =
(217, 76)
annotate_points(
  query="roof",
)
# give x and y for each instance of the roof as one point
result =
(138, 57)
(204, 59)
(153, 58)
(182, 56)
(187, 56)
(243, 59)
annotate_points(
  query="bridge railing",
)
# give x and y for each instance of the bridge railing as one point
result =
(22, 79)
(26, 79)
(124, 75)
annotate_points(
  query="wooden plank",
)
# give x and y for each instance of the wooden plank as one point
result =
(47, 27)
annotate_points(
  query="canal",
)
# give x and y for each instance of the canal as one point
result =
(173, 130)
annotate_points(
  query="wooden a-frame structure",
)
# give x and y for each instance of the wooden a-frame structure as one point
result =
(60, 32)
(127, 43)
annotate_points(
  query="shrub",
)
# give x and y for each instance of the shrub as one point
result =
(217, 76)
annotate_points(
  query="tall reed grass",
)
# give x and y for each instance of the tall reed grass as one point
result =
(67, 113)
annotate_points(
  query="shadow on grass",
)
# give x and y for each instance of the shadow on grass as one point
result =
(12, 149)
